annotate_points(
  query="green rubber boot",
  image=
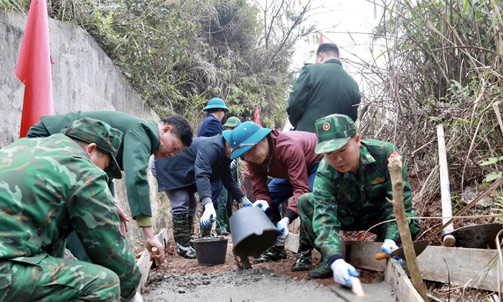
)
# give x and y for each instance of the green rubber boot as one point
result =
(181, 234)
(321, 272)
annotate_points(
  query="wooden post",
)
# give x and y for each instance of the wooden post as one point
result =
(395, 170)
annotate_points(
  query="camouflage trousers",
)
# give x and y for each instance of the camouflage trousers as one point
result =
(307, 236)
(46, 278)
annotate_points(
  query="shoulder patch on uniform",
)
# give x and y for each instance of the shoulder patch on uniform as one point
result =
(377, 180)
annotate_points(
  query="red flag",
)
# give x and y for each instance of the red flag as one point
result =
(34, 67)
(321, 38)
(256, 117)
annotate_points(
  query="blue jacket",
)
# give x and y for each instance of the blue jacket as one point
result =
(210, 126)
(204, 161)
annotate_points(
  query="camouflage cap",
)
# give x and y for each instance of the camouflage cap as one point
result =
(108, 139)
(333, 131)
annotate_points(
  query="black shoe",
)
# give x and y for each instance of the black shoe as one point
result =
(185, 251)
(274, 253)
(303, 262)
(222, 232)
(321, 272)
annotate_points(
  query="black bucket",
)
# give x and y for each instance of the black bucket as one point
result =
(252, 232)
(211, 251)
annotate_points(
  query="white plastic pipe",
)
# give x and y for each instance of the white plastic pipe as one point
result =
(445, 190)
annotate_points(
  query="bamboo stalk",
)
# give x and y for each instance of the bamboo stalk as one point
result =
(395, 170)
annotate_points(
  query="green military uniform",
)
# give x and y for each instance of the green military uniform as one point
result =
(48, 188)
(322, 89)
(140, 141)
(226, 202)
(349, 202)
(141, 138)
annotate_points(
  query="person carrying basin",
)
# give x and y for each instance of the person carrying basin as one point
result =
(290, 159)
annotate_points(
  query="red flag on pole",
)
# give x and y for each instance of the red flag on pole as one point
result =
(256, 117)
(34, 67)
(321, 38)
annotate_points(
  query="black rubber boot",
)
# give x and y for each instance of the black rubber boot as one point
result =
(274, 253)
(321, 272)
(181, 234)
(303, 262)
(191, 230)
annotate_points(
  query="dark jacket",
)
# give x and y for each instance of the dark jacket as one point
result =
(210, 126)
(321, 90)
(199, 164)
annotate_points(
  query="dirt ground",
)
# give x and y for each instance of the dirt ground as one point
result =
(180, 271)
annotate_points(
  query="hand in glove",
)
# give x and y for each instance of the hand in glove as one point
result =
(282, 225)
(389, 246)
(136, 298)
(208, 216)
(246, 202)
(343, 271)
(263, 204)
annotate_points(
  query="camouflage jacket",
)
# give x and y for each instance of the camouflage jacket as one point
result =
(48, 188)
(358, 201)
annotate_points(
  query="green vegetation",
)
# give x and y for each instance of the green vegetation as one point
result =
(178, 54)
(434, 62)
(441, 64)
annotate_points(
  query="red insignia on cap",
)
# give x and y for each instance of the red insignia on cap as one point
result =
(326, 126)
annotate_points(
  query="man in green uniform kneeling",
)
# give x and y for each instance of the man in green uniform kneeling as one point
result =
(50, 187)
(350, 193)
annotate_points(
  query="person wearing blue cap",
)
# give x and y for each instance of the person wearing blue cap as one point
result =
(190, 171)
(212, 125)
(289, 157)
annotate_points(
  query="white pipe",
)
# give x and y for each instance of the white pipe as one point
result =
(444, 181)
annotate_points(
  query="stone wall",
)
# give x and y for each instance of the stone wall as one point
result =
(84, 78)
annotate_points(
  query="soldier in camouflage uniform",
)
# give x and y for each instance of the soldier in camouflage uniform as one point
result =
(349, 193)
(142, 138)
(48, 188)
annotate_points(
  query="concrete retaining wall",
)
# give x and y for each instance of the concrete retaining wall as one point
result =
(84, 78)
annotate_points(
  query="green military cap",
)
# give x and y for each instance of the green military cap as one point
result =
(108, 139)
(232, 122)
(333, 131)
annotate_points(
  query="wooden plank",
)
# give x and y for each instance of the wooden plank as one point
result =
(396, 276)
(463, 266)
(144, 263)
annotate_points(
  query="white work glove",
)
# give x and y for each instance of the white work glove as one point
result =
(136, 298)
(282, 225)
(263, 204)
(388, 246)
(246, 202)
(208, 216)
(343, 271)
